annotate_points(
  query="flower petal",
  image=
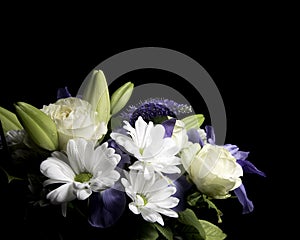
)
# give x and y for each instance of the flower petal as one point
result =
(152, 216)
(169, 127)
(62, 194)
(56, 169)
(63, 93)
(241, 194)
(249, 167)
(193, 135)
(182, 186)
(106, 207)
(210, 134)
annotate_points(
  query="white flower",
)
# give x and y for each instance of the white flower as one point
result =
(83, 170)
(213, 169)
(147, 143)
(75, 117)
(179, 134)
(150, 197)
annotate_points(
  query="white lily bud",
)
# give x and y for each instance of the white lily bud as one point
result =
(41, 129)
(120, 97)
(9, 120)
(97, 94)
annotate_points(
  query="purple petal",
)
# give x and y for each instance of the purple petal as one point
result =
(241, 194)
(182, 186)
(233, 149)
(241, 155)
(63, 93)
(210, 134)
(106, 207)
(194, 136)
(249, 167)
(169, 127)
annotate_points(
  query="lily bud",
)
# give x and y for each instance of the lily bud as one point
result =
(120, 97)
(9, 120)
(193, 121)
(39, 126)
(96, 93)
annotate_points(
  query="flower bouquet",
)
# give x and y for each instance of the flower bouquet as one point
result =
(151, 166)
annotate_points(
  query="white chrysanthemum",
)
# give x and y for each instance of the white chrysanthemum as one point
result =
(147, 143)
(84, 169)
(150, 197)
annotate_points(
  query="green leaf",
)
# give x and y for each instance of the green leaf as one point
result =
(188, 217)
(165, 231)
(147, 232)
(212, 231)
(193, 121)
(190, 233)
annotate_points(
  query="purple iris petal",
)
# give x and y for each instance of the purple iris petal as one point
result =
(169, 127)
(210, 134)
(241, 155)
(249, 167)
(194, 136)
(233, 149)
(63, 93)
(241, 194)
(106, 207)
(182, 186)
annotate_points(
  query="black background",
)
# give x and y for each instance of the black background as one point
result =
(243, 56)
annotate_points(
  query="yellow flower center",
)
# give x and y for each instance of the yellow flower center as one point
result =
(83, 177)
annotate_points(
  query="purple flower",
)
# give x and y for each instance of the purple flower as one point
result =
(155, 107)
(182, 187)
(151, 112)
(169, 127)
(106, 207)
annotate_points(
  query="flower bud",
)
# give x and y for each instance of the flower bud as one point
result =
(120, 97)
(193, 121)
(96, 93)
(9, 120)
(40, 128)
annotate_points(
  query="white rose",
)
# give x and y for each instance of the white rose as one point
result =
(213, 170)
(74, 118)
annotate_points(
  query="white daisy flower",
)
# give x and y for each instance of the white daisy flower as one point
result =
(150, 197)
(81, 170)
(147, 143)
